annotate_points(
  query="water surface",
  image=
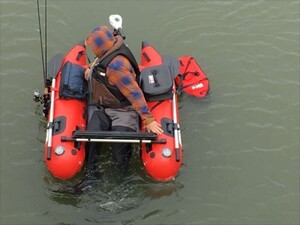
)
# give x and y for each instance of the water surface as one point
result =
(241, 142)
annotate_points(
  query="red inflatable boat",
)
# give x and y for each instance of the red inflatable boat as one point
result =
(161, 79)
(161, 161)
(66, 114)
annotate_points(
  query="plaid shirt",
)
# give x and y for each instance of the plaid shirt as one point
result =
(121, 74)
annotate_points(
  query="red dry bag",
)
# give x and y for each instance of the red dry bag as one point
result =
(191, 79)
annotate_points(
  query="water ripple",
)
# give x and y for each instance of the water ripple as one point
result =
(261, 109)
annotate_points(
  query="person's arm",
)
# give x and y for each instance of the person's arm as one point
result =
(121, 74)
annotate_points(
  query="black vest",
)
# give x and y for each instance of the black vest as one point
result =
(101, 68)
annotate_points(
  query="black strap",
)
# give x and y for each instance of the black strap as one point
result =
(182, 76)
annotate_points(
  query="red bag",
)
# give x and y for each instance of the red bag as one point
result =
(191, 79)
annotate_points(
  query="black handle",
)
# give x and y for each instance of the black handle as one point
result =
(121, 33)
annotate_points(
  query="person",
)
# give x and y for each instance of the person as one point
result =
(117, 95)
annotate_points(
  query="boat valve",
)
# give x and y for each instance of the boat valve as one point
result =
(166, 152)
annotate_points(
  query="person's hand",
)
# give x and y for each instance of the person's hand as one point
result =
(154, 127)
(86, 73)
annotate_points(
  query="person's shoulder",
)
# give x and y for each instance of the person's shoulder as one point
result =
(118, 62)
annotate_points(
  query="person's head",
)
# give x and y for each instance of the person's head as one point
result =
(100, 40)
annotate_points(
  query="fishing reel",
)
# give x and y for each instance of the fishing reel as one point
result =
(43, 99)
(37, 97)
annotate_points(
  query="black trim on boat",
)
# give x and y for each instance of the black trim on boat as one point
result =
(146, 57)
(59, 125)
(167, 126)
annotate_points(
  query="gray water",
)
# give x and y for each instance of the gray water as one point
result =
(241, 142)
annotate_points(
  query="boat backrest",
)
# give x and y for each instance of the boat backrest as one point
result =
(157, 81)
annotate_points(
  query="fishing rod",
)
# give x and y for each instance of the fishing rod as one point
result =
(46, 42)
(41, 41)
(44, 54)
(37, 96)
